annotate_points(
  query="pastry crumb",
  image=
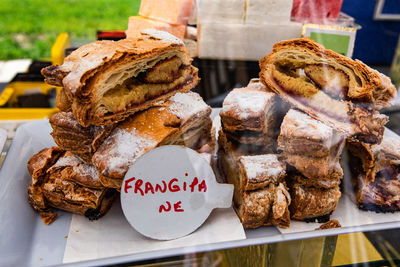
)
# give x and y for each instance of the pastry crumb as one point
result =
(329, 225)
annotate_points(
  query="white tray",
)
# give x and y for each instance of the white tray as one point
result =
(26, 241)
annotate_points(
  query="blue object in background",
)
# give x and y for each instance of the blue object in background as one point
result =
(377, 40)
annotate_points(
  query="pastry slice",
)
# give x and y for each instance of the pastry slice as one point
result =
(69, 135)
(62, 180)
(252, 115)
(267, 206)
(311, 203)
(182, 120)
(310, 146)
(260, 196)
(105, 82)
(375, 172)
(341, 92)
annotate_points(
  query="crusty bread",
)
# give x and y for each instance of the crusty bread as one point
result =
(105, 82)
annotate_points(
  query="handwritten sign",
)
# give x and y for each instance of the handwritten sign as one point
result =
(170, 191)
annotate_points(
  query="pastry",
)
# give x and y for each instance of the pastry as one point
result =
(252, 115)
(260, 196)
(182, 120)
(267, 206)
(341, 92)
(105, 82)
(310, 203)
(62, 180)
(310, 146)
(69, 135)
(330, 225)
(375, 172)
(138, 23)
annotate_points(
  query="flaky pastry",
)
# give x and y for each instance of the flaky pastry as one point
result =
(182, 120)
(341, 92)
(62, 180)
(105, 82)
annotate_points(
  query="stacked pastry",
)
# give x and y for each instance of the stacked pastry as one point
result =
(332, 98)
(62, 180)
(375, 173)
(345, 95)
(250, 120)
(312, 150)
(118, 101)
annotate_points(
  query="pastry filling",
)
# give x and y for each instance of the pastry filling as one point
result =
(305, 76)
(383, 192)
(319, 86)
(165, 76)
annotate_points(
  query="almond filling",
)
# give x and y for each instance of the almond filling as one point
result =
(161, 78)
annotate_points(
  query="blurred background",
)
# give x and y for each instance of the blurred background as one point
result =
(28, 28)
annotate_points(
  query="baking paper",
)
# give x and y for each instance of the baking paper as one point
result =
(348, 215)
(113, 236)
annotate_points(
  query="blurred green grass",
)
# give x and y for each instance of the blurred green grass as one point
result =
(28, 28)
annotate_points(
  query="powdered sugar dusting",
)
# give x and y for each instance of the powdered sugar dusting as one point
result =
(297, 123)
(67, 160)
(261, 165)
(127, 147)
(78, 165)
(390, 145)
(246, 101)
(162, 36)
(185, 105)
(87, 170)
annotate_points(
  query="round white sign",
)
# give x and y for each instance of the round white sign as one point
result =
(170, 191)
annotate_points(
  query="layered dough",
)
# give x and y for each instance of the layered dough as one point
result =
(311, 202)
(260, 194)
(341, 92)
(310, 146)
(62, 180)
(69, 135)
(376, 173)
(182, 120)
(252, 115)
(105, 82)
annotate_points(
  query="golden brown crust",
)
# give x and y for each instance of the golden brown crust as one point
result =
(69, 135)
(182, 120)
(41, 161)
(260, 195)
(259, 171)
(375, 173)
(268, 206)
(375, 158)
(96, 73)
(363, 82)
(62, 180)
(281, 72)
(252, 115)
(309, 202)
(331, 224)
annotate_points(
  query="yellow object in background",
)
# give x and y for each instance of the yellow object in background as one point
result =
(10, 96)
(354, 248)
(58, 49)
